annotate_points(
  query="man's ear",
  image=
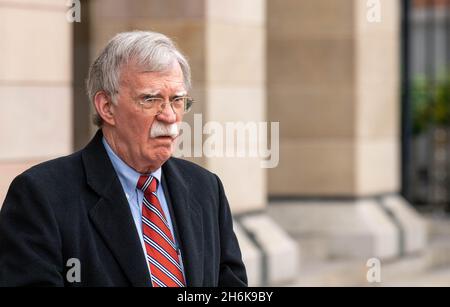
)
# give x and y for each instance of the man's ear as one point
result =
(104, 107)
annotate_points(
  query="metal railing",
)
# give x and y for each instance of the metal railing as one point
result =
(426, 103)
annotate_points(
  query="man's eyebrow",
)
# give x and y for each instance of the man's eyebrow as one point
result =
(148, 92)
(180, 94)
(157, 94)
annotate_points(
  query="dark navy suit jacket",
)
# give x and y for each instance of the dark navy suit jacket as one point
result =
(74, 207)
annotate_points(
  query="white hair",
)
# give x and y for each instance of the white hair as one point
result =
(150, 50)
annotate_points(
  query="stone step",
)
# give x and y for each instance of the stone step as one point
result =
(330, 273)
(354, 272)
(438, 225)
(439, 252)
(414, 269)
(313, 248)
(433, 278)
(418, 268)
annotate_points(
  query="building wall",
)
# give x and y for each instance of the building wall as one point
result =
(35, 85)
(333, 85)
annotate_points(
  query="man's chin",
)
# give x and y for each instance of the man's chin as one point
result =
(163, 149)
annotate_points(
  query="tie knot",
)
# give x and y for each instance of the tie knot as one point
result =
(147, 183)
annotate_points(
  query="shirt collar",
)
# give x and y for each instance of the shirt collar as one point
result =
(127, 175)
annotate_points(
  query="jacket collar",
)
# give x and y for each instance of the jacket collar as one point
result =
(111, 214)
(188, 220)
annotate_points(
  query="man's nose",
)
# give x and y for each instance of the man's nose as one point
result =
(167, 114)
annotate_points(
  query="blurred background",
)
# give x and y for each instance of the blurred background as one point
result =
(361, 89)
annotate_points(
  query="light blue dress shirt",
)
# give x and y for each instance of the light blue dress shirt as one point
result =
(128, 178)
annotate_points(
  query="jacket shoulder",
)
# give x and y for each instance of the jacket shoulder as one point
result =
(55, 170)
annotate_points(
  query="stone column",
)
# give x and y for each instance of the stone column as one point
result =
(333, 83)
(35, 85)
(236, 92)
(225, 43)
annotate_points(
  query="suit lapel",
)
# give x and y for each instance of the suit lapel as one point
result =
(188, 222)
(111, 214)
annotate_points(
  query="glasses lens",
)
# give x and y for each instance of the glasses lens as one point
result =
(179, 105)
(152, 103)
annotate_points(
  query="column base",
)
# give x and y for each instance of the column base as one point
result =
(382, 227)
(270, 255)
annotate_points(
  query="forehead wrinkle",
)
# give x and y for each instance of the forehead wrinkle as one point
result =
(161, 86)
(150, 82)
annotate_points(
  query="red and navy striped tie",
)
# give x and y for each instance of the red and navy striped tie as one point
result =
(162, 254)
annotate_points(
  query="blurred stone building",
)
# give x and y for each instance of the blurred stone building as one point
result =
(321, 68)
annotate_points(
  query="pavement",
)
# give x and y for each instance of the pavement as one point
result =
(430, 268)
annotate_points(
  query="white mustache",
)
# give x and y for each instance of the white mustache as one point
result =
(159, 129)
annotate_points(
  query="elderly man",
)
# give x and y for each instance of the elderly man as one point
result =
(122, 211)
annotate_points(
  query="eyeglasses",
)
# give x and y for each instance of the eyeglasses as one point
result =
(156, 105)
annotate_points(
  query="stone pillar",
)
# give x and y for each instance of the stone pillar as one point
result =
(236, 92)
(333, 83)
(225, 43)
(35, 85)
